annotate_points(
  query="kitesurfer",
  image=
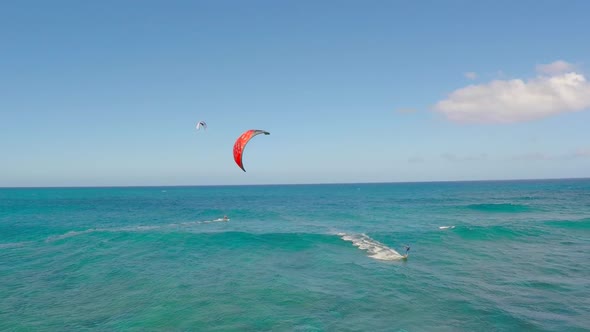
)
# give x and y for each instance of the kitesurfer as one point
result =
(407, 250)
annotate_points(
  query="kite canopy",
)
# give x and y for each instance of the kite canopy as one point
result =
(241, 144)
(201, 124)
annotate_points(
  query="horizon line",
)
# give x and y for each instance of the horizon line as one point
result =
(293, 184)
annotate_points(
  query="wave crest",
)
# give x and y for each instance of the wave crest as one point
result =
(376, 249)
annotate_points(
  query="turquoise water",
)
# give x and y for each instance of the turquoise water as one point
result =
(298, 258)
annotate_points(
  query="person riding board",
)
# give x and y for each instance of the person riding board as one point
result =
(407, 250)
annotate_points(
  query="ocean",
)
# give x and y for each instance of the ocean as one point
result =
(484, 256)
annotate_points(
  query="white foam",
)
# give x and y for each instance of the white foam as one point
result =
(13, 244)
(132, 229)
(446, 227)
(104, 230)
(137, 228)
(374, 248)
(69, 234)
(188, 223)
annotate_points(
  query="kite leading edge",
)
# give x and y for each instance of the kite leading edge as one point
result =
(241, 142)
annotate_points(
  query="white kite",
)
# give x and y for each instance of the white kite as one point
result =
(201, 124)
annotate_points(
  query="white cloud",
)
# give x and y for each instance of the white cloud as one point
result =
(471, 75)
(555, 68)
(507, 101)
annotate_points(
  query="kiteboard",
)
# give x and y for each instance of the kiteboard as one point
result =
(221, 219)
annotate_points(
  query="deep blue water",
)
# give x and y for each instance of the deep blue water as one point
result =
(298, 258)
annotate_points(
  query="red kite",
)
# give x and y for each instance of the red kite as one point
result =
(241, 144)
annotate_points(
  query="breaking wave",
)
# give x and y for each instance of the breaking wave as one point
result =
(374, 248)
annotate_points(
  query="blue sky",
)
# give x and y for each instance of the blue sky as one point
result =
(108, 92)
